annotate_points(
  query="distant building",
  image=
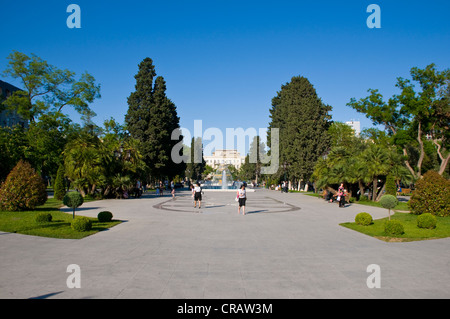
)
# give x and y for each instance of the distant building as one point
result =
(7, 117)
(228, 157)
(355, 125)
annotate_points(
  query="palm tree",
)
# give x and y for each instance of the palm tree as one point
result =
(377, 163)
(358, 172)
(84, 163)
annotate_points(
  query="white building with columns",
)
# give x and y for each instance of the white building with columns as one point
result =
(228, 157)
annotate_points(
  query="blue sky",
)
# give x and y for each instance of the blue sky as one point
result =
(223, 61)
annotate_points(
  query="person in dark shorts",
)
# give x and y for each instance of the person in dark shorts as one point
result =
(197, 195)
(242, 196)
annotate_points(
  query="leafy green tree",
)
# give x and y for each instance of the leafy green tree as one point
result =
(47, 138)
(47, 88)
(303, 120)
(196, 165)
(59, 187)
(14, 146)
(151, 118)
(84, 159)
(411, 113)
(341, 134)
(247, 170)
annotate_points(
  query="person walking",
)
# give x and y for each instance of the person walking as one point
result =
(341, 197)
(197, 196)
(242, 196)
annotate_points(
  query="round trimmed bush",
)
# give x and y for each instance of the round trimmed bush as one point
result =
(393, 228)
(81, 224)
(73, 200)
(43, 218)
(426, 221)
(363, 219)
(104, 216)
(388, 201)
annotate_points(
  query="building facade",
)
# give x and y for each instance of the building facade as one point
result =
(355, 125)
(227, 157)
(7, 117)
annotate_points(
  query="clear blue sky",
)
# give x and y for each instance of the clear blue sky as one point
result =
(224, 61)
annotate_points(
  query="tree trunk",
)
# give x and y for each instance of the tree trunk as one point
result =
(422, 151)
(408, 166)
(381, 192)
(444, 165)
(444, 161)
(361, 188)
(332, 190)
(374, 188)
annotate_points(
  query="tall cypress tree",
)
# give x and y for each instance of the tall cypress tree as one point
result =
(151, 118)
(197, 164)
(303, 120)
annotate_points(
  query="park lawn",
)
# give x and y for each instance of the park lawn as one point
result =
(401, 206)
(23, 222)
(412, 232)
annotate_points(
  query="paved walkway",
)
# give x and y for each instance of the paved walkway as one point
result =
(287, 246)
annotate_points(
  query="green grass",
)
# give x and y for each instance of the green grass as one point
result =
(401, 206)
(412, 232)
(24, 222)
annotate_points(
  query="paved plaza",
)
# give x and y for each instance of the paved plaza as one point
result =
(287, 246)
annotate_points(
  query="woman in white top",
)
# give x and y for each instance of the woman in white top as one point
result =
(197, 195)
(242, 195)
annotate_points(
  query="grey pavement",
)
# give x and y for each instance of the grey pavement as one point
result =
(287, 246)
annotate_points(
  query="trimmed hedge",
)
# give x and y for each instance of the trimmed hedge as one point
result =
(364, 219)
(43, 218)
(393, 228)
(81, 224)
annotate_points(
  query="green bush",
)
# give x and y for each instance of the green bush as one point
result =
(59, 186)
(81, 224)
(73, 200)
(426, 221)
(363, 219)
(388, 202)
(23, 189)
(43, 218)
(391, 187)
(104, 216)
(431, 195)
(393, 228)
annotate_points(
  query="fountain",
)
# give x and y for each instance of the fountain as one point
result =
(224, 180)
